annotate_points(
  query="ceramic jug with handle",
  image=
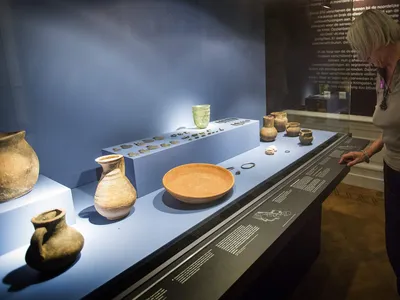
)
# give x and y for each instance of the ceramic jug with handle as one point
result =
(280, 121)
(54, 245)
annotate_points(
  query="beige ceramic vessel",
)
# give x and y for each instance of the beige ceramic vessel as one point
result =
(268, 133)
(54, 245)
(280, 121)
(115, 195)
(19, 166)
(306, 137)
(293, 129)
(198, 183)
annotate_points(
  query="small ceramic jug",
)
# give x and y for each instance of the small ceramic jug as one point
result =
(54, 245)
(115, 195)
(293, 129)
(281, 121)
(268, 133)
(19, 166)
(306, 137)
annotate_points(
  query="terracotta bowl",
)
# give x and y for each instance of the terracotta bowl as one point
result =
(198, 183)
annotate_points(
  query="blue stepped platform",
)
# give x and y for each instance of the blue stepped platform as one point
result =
(221, 140)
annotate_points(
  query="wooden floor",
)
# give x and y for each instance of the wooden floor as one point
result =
(353, 264)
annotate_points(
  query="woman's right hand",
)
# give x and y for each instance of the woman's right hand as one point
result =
(352, 158)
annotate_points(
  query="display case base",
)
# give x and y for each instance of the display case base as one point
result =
(16, 228)
(280, 277)
(220, 141)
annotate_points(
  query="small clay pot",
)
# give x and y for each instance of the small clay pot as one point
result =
(306, 137)
(293, 129)
(268, 133)
(280, 121)
(54, 245)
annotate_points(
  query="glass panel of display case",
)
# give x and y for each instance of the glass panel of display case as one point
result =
(311, 68)
(312, 72)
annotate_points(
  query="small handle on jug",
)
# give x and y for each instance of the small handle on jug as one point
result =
(37, 239)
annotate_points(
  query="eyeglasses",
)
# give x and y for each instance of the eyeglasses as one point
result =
(383, 105)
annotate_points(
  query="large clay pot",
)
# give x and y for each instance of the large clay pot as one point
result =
(306, 137)
(293, 129)
(268, 133)
(280, 121)
(19, 166)
(115, 195)
(54, 245)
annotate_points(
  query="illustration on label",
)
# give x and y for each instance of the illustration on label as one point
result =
(270, 216)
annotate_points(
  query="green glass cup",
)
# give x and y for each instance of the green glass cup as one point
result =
(201, 115)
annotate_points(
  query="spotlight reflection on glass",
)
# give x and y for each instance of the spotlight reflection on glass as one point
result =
(326, 4)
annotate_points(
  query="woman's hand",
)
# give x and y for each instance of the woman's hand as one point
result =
(352, 158)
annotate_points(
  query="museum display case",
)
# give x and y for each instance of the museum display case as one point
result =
(191, 185)
(186, 221)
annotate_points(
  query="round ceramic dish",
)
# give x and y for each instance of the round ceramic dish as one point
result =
(198, 183)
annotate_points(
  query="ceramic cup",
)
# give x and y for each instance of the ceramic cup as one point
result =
(201, 115)
(292, 129)
(306, 137)
(201, 107)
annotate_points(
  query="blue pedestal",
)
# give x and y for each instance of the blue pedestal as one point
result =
(16, 228)
(220, 141)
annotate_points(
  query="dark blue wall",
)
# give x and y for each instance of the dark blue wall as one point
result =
(79, 76)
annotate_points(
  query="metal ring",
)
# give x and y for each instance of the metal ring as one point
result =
(248, 165)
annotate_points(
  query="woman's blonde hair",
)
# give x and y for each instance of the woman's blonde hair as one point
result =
(372, 30)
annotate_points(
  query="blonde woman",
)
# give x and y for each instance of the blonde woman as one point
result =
(376, 38)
